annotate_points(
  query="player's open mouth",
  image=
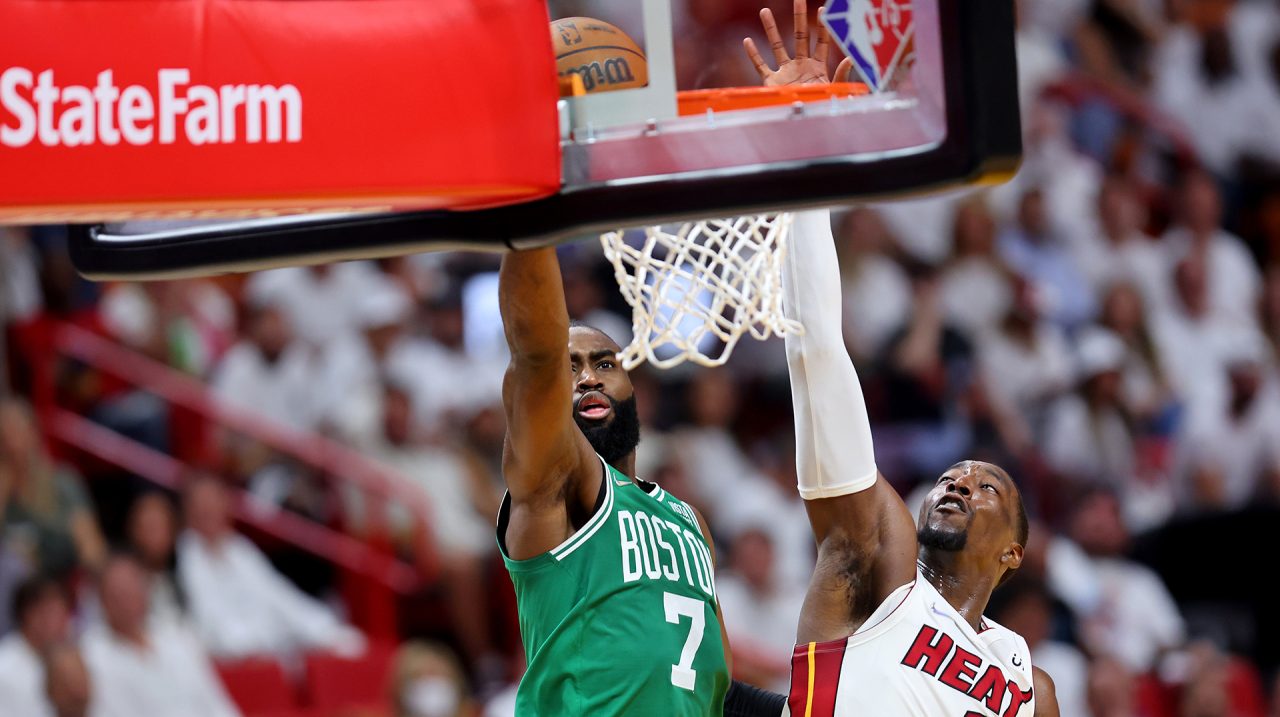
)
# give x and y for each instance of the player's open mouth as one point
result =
(951, 504)
(594, 406)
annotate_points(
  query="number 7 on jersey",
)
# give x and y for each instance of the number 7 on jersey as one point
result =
(682, 673)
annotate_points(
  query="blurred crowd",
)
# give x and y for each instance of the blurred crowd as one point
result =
(1106, 326)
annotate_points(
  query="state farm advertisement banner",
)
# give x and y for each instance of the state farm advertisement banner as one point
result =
(113, 109)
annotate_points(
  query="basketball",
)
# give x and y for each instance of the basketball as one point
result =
(601, 54)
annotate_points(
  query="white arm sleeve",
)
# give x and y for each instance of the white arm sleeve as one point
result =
(834, 454)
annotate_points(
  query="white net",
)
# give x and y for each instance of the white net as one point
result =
(695, 289)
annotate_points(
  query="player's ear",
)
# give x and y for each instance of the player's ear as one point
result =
(1011, 559)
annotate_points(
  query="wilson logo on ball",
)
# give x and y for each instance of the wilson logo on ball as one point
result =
(599, 53)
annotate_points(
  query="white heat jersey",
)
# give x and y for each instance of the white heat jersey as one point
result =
(915, 656)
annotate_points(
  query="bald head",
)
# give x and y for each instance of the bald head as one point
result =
(584, 330)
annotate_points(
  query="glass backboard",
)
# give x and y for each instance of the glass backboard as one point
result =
(932, 103)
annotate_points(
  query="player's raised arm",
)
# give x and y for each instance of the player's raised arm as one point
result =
(865, 536)
(544, 449)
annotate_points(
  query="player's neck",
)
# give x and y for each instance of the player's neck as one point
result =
(626, 465)
(964, 586)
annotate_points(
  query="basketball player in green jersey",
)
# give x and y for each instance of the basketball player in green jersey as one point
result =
(614, 577)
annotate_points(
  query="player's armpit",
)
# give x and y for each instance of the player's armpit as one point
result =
(1046, 696)
(544, 448)
(866, 551)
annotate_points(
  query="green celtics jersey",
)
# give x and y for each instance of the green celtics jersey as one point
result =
(620, 619)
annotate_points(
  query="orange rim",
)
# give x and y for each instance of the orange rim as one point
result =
(695, 102)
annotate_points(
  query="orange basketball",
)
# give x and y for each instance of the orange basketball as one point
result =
(599, 53)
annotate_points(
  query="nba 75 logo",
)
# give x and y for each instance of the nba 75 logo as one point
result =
(874, 33)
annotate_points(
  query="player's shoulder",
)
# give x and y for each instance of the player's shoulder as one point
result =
(996, 629)
(995, 633)
(1009, 648)
(676, 504)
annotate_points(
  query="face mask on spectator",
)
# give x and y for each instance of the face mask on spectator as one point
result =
(431, 697)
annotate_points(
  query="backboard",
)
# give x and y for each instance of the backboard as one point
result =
(500, 158)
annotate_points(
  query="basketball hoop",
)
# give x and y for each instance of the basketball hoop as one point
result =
(695, 289)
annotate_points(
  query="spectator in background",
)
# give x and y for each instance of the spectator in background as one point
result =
(42, 613)
(1090, 435)
(185, 324)
(976, 291)
(1270, 310)
(428, 681)
(1206, 693)
(1087, 436)
(925, 369)
(760, 611)
(714, 463)
(45, 516)
(1067, 179)
(268, 372)
(1209, 74)
(1232, 454)
(319, 302)
(143, 667)
(706, 447)
(1113, 690)
(1119, 251)
(1191, 341)
(67, 684)
(1023, 364)
(1117, 39)
(14, 569)
(20, 298)
(1144, 383)
(921, 227)
(1041, 57)
(151, 530)
(239, 604)
(1232, 278)
(457, 505)
(355, 364)
(1026, 607)
(654, 452)
(440, 357)
(1134, 618)
(876, 291)
(1034, 250)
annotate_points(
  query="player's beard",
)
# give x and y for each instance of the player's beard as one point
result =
(952, 541)
(616, 438)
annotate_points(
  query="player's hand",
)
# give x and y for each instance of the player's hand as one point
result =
(803, 69)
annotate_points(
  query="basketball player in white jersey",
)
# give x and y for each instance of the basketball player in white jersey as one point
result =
(892, 623)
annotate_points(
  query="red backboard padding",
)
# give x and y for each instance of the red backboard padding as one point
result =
(274, 104)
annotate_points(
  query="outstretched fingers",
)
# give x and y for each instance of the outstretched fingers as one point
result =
(775, 38)
(754, 54)
(823, 46)
(800, 13)
(844, 71)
